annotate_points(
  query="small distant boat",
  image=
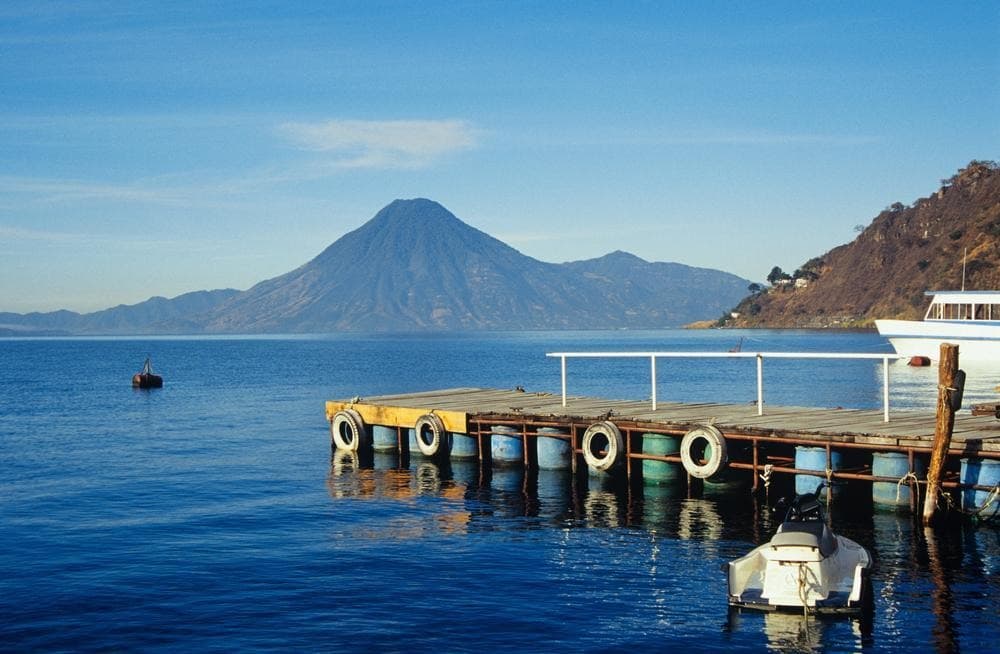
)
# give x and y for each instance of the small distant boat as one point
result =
(146, 378)
(803, 566)
(969, 319)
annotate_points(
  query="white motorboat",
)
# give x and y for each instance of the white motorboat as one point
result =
(804, 566)
(969, 319)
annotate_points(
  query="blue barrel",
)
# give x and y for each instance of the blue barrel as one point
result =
(384, 439)
(660, 472)
(412, 439)
(554, 449)
(506, 445)
(895, 465)
(814, 458)
(464, 446)
(981, 472)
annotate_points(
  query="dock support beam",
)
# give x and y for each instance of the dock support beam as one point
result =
(950, 382)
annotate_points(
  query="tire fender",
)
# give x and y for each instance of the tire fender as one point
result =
(606, 434)
(431, 435)
(695, 443)
(348, 430)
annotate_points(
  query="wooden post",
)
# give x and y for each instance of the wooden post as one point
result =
(947, 389)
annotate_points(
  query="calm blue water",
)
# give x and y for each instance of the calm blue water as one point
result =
(210, 515)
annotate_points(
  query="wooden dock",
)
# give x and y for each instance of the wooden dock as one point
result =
(753, 440)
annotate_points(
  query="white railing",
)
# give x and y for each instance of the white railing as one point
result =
(760, 356)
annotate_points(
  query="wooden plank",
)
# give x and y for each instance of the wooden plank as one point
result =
(992, 409)
(397, 416)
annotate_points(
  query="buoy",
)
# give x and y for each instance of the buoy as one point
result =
(704, 443)
(432, 438)
(603, 446)
(348, 430)
(920, 362)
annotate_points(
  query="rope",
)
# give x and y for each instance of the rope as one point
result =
(990, 499)
(829, 490)
(766, 477)
(911, 477)
(802, 588)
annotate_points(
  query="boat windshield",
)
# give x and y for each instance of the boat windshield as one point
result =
(805, 508)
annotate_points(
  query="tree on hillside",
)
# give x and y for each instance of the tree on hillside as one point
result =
(777, 275)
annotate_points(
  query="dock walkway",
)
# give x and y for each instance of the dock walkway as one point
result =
(473, 410)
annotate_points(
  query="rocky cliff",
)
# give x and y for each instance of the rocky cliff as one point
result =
(885, 271)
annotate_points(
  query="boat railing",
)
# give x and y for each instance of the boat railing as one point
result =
(759, 356)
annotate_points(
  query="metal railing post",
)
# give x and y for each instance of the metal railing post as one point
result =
(653, 356)
(885, 388)
(652, 374)
(760, 384)
(562, 364)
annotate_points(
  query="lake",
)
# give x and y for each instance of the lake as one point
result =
(211, 515)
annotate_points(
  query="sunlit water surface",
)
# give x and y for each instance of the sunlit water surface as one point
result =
(210, 514)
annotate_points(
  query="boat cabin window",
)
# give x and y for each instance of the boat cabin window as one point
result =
(950, 311)
(962, 311)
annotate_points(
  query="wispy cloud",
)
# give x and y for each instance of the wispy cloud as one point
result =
(766, 138)
(11, 236)
(23, 234)
(75, 190)
(383, 144)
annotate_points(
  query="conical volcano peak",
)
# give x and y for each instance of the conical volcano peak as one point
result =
(416, 266)
(417, 209)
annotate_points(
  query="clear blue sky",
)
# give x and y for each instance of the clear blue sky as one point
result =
(155, 148)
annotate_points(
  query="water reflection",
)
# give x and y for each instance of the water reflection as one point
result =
(930, 587)
(553, 495)
(698, 519)
(914, 387)
(601, 508)
(794, 631)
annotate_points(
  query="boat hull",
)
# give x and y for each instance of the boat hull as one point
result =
(147, 380)
(772, 578)
(976, 341)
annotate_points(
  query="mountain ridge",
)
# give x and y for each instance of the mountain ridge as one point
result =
(416, 266)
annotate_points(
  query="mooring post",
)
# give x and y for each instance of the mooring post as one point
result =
(948, 388)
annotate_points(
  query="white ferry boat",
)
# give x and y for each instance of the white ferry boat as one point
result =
(969, 319)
